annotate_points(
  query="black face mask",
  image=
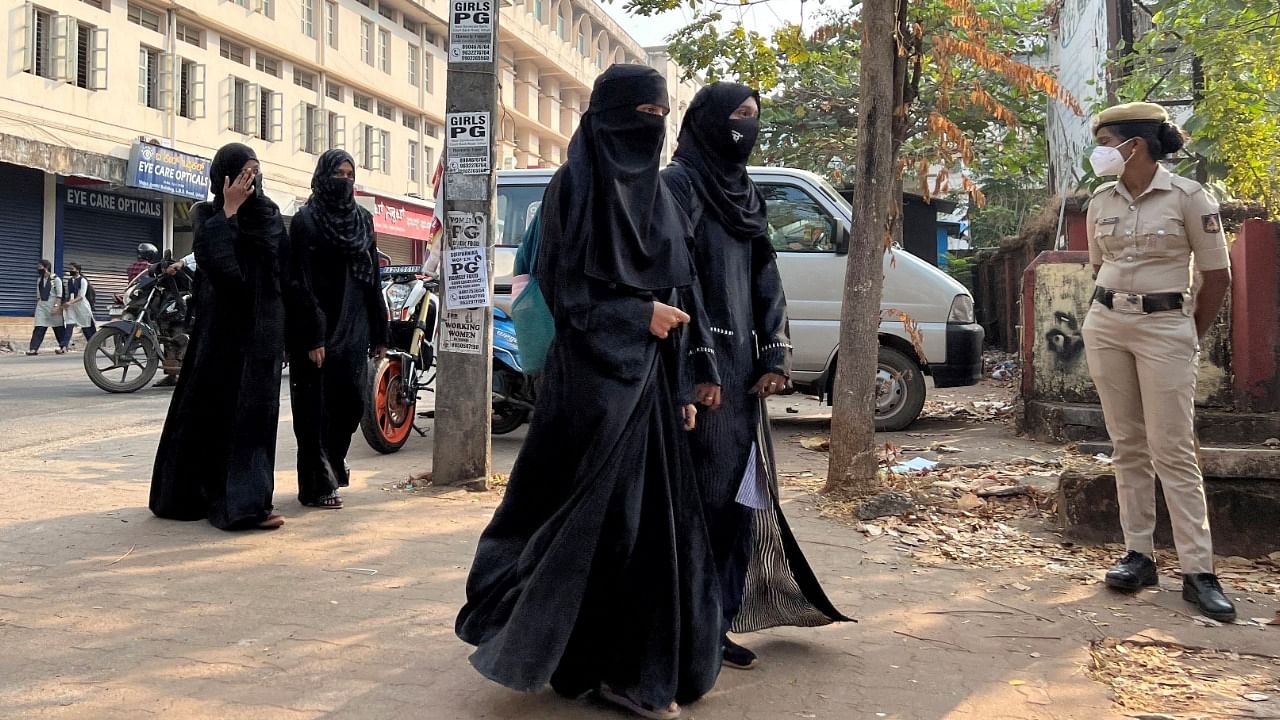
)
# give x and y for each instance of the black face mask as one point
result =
(335, 190)
(741, 140)
(640, 133)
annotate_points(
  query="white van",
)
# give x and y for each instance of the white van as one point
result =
(810, 223)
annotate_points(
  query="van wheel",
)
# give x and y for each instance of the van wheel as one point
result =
(899, 390)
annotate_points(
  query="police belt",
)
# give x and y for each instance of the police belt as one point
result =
(1150, 303)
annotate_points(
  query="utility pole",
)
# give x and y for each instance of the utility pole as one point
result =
(464, 404)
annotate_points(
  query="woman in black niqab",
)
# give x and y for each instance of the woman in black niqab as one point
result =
(764, 577)
(595, 572)
(216, 457)
(336, 318)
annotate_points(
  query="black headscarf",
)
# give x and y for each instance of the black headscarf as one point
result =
(715, 149)
(344, 224)
(258, 216)
(615, 201)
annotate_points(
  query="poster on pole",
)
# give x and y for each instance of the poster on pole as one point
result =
(462, 331)
(467, 143)
(471, 31)
(466, 281)
(466, 229)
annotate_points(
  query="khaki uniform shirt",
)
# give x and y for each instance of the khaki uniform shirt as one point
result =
(1145, 244)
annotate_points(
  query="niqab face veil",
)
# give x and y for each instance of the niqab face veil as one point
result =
(258, 213)
(634, 231)
(343, 224)
(715, 148)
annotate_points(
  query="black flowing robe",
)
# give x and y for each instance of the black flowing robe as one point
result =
(596, 567)
(216, 458)
(764, 577)
(328, 308)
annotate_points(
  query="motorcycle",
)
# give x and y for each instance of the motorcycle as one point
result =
(395, 382)
(151, 328)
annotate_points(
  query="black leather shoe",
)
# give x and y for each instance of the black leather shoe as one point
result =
(1204, 591)
(738, 657)
(1134, 572)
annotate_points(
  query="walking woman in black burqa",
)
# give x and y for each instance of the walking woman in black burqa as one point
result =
(336, 316)
(217, 454)
(765, 580)
(595, 572)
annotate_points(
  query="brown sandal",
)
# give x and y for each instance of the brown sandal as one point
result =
(273, 521)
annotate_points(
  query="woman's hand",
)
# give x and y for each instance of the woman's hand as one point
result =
(708, 395)
(235, 193)
(317, 356)
(690, 417)
(665, 319)
(770, 384)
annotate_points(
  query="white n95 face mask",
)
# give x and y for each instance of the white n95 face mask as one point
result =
(1108, 160)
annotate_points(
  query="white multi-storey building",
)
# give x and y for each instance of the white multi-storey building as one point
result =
(110, 109)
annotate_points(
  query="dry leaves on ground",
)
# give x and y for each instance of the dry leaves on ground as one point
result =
(976, 411)
(1156, 677)
(992, 517)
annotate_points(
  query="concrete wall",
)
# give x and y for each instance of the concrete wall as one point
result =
(1061, 291)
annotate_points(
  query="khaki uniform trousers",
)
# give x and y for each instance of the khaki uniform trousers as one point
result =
(1145, 368)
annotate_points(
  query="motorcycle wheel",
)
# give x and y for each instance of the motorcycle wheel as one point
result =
(111, 350)
(506, 416)
(387, 420)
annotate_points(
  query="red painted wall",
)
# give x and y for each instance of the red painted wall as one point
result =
(1255, 317)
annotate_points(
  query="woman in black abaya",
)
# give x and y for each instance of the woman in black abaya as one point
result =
(336, 315)
(216, 457)
(595, 572)
(765, 580)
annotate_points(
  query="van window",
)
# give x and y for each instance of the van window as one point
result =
(516, 206)
(797, 222)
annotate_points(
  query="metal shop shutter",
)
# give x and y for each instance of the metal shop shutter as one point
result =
(21, 237)
(399, 248)
(105, 245)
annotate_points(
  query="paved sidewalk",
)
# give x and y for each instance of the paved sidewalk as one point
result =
(107, 612)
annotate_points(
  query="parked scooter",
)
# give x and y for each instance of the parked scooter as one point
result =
(395, 382)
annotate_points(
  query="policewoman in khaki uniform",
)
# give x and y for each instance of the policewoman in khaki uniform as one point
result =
(1142, 340)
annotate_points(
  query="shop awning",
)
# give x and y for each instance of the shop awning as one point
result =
(61, 160)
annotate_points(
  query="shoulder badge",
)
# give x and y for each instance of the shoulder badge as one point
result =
(1212, 223)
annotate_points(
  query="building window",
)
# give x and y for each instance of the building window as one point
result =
(582, 43)
(314, 124)
(94, 3)
(39, 43)
(149, 19)
(560, 30)
(412, 26)
(413, 65)
(309, 18)
(337, 130)
(433, 130)
(366, 42)
(366, 3)
(387, 11)
(600, 57)
(335, 91)
(233, 51)
(191, 95)
(362, 102)
(190, 34)
(384, 50)
(149, 77)
(409, 120)
(267, 64)
(413, 161)
(537, 10)
(384, 163)
(429, 161)
(386, 110)
(267, 7)
(244, 111)
(371, 147)
(426, 71)
(90, 57)
(271, 115)
(304, 79)
(331, 23)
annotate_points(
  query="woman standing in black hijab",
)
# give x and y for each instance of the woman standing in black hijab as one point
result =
(217, 454)
(336, 317)
(595, 572)
(765, 580)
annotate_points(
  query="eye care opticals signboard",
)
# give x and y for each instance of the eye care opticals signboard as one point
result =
(153, 167)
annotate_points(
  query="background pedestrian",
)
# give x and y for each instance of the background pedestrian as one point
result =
(48, 313)
(78, 309)
(336, 318)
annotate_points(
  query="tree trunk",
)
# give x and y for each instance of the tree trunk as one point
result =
(853, 467)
